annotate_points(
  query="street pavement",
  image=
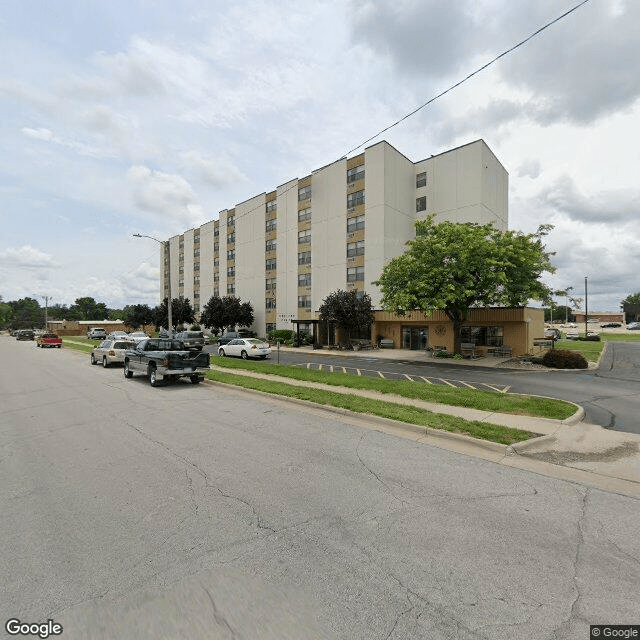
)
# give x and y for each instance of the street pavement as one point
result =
(206, 512)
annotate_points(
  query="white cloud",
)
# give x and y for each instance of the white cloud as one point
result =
(167, 195)
(26, 256)
(216, 171)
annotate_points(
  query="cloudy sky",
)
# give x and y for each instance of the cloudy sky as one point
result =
(151, 116)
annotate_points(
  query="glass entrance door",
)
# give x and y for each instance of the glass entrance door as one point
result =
(415, 338)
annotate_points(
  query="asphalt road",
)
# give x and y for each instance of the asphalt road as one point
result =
(203, 512)
(610, 395)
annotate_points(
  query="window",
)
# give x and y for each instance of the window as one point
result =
(196, 295)
(270, 326)
(355, 274)
(181, 283)
(482, 336)
(231, 238)
(216, 292)
(421, 180)
(196, 266)
(355, 249)
(231, 289)
(357, 173)
(304, 257)
(354, 224)
(216, 277)
(196, 308)
(304, 193)
(196, 279)
(360, 295)
(270, 245)
(216, 246)
(304, 302)
(270, 264)
(231, 221)
(181, 270)
(421, 203)
(304, 279)
(270, 284)
(231, 272)
(196, 239)
(269, 303)
(304, 214)
(216, 262)
(304, 236)
(271, 225)
(355, 198)
(216, 232)
(231, 254)
(196, 252)
(271, 206)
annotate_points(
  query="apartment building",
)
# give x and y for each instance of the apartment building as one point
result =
(286, 250)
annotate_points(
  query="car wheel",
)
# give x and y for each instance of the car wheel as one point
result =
(127, 372)
(263, 357)
(93, 359)
(195, 379)
(153, 376)
(244, 355)
(221, 353)
(105, 364)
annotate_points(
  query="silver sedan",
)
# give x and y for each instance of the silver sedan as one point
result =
(110, 351)
(245, 348)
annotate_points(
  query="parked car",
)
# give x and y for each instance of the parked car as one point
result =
(225, 338)
(245, 348)
(25, 334)
(118, 335)
(610, 325)
(111, 351)
(49, 339)
(166, 359)
(96, 333)
(192, 340)
(633, 326)
(552, 333)
(572, 334)
(137, 336)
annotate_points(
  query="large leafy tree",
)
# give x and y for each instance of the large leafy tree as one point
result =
(138, 315)
(181, 313)
(6, 313)
(221, 313)
(347, 311)
(631, 306)
(88, 309)
(27, 313)
(455, 267)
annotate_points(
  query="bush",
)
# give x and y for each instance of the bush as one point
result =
(195, 327)
(564, 359)
(281, 335)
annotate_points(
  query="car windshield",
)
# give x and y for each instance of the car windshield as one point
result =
(122, 344)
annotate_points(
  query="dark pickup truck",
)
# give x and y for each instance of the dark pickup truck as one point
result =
(163, 358)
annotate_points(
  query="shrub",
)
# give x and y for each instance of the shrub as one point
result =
(564, 359)
(195, 327)
(281, 335)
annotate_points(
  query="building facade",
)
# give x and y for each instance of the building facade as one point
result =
(286, 250)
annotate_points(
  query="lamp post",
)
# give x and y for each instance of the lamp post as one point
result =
(164, 243)
(46, 309)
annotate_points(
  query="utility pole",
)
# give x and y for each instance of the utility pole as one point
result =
(46, 309)
(165, 245)
(586, 307)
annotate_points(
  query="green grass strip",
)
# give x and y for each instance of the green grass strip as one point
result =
(407, 414)
(88, 345)
(590, 350)
(441, 394)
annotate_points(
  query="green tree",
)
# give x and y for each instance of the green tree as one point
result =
(88, 309)
(223, 313)
(631, 307)
(6, 313)
(138, 315)
(347, 311)
(27, 313)
(455, 267)
(181, 313)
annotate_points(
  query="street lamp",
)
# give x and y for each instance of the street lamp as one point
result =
(164, 243)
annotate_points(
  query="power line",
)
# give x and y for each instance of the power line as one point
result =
(476, 72)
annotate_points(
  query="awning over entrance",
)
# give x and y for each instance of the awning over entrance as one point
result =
(314, 325)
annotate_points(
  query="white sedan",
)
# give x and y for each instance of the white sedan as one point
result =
(245, 348)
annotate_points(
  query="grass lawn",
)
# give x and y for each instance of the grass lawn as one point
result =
(472, 398)
(86, 344)
(590, 350)
(407, 414)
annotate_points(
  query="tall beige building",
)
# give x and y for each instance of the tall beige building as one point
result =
(286, 250)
